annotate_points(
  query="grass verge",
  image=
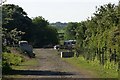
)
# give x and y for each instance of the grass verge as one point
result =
(26, 65)
(95, 70)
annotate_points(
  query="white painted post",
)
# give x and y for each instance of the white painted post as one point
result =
(61, 54)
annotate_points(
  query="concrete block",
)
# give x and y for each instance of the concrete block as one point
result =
(67, 54)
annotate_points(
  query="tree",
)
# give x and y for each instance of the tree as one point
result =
(98, 37)
(43, 34)
(37, 30)
(40, 21)
(10, 38)
(70, 31)
(15, 17)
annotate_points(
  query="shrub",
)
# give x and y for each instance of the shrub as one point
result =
(12, 59)
(5, 67)
(9, 59)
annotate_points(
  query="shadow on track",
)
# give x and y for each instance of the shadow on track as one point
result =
(38, 73)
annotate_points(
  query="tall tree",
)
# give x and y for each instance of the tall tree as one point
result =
(15, 17)
(70, 31)
(43, 34)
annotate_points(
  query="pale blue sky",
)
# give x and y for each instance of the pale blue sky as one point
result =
(61, 10)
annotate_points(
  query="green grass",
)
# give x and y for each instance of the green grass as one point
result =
(95, 69)
(26, 65)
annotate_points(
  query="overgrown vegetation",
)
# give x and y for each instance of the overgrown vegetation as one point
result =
(98, 38)
(92, 68)
(37, 30)
(10, 59)
(16, 26)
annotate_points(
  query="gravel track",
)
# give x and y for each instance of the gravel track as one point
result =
(49, 60)
(50, 65)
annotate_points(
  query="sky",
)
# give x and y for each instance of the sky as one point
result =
(61, 10)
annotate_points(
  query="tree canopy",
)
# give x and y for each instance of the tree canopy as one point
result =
(43, 33)
(99, 37)
(37, 30)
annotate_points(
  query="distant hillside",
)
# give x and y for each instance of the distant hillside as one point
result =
(58, 25)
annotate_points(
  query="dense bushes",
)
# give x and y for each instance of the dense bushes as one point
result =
(9, 59)
(99, 37)
(42, 33)
(12, 59)
(102, 35)
(16, 22)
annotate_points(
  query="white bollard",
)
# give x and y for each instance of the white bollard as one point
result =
(61, 54)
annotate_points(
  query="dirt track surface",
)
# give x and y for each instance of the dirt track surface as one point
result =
(50, 65)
